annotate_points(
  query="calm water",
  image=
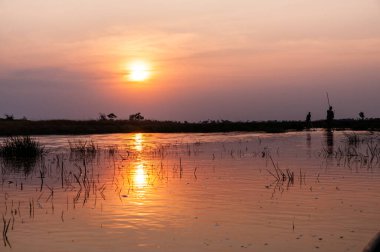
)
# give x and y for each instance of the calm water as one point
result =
(194, 192)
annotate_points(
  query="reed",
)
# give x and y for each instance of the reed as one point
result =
(23, 147)
(359, 150)
(5, 232)
(83, 147)
(112, 150)
(353, 138)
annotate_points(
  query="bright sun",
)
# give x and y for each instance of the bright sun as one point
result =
(138, 71)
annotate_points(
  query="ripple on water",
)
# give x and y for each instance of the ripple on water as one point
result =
(193, 192)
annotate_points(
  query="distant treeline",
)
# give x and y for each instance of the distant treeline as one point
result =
(60, 127)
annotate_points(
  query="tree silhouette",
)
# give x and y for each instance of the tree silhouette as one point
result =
(102, 117)
(9, 117)
(112, 116)
(136, 117)
(361, 115)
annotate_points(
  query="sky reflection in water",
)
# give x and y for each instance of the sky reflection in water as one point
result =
(194, 192)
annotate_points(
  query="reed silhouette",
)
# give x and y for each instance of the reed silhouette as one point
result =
(20, 154)
(21, 147)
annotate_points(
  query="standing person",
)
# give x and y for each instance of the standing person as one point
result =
(330, 117)
(308, 121)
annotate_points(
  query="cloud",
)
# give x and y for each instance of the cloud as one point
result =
(51, 75)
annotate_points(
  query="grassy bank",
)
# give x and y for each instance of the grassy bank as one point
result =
(26, 127)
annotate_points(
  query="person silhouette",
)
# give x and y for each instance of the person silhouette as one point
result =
(308, 120)
(330, 117)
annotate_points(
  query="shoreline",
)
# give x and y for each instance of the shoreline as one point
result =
(72, 127)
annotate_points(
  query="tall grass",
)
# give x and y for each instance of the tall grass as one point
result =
(83, 150)
(353, 138)
(21, 147)
(362, 150)
(83, 147)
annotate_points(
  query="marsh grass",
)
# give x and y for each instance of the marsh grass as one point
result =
(20, 154)
(21, 147)
(112, 150)
(359, 150)
(356, 139)
(83, 147)
(353, 139)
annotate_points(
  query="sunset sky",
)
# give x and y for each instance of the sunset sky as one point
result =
(206, 59)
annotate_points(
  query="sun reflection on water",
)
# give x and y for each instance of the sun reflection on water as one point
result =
(138, 141)
(140, 178)
(139, 174)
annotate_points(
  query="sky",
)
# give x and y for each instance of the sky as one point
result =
(235, 60)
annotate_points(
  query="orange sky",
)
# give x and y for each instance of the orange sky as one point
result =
(237, 60)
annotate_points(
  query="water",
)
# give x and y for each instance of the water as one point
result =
(194, 192)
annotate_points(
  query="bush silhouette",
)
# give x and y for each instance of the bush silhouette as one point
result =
(136, 117)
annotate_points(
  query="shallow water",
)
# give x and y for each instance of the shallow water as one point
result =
(194, 192)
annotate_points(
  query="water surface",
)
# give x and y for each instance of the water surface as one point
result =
(194, 192)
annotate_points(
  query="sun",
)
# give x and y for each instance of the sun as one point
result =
(139, 71)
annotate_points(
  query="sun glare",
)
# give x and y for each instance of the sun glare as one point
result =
(139, 71)
(138, 142)
(140, 178)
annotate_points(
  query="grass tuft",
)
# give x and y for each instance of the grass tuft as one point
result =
(21, 147)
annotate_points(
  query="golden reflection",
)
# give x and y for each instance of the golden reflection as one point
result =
(140, 178)
(138, 142)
